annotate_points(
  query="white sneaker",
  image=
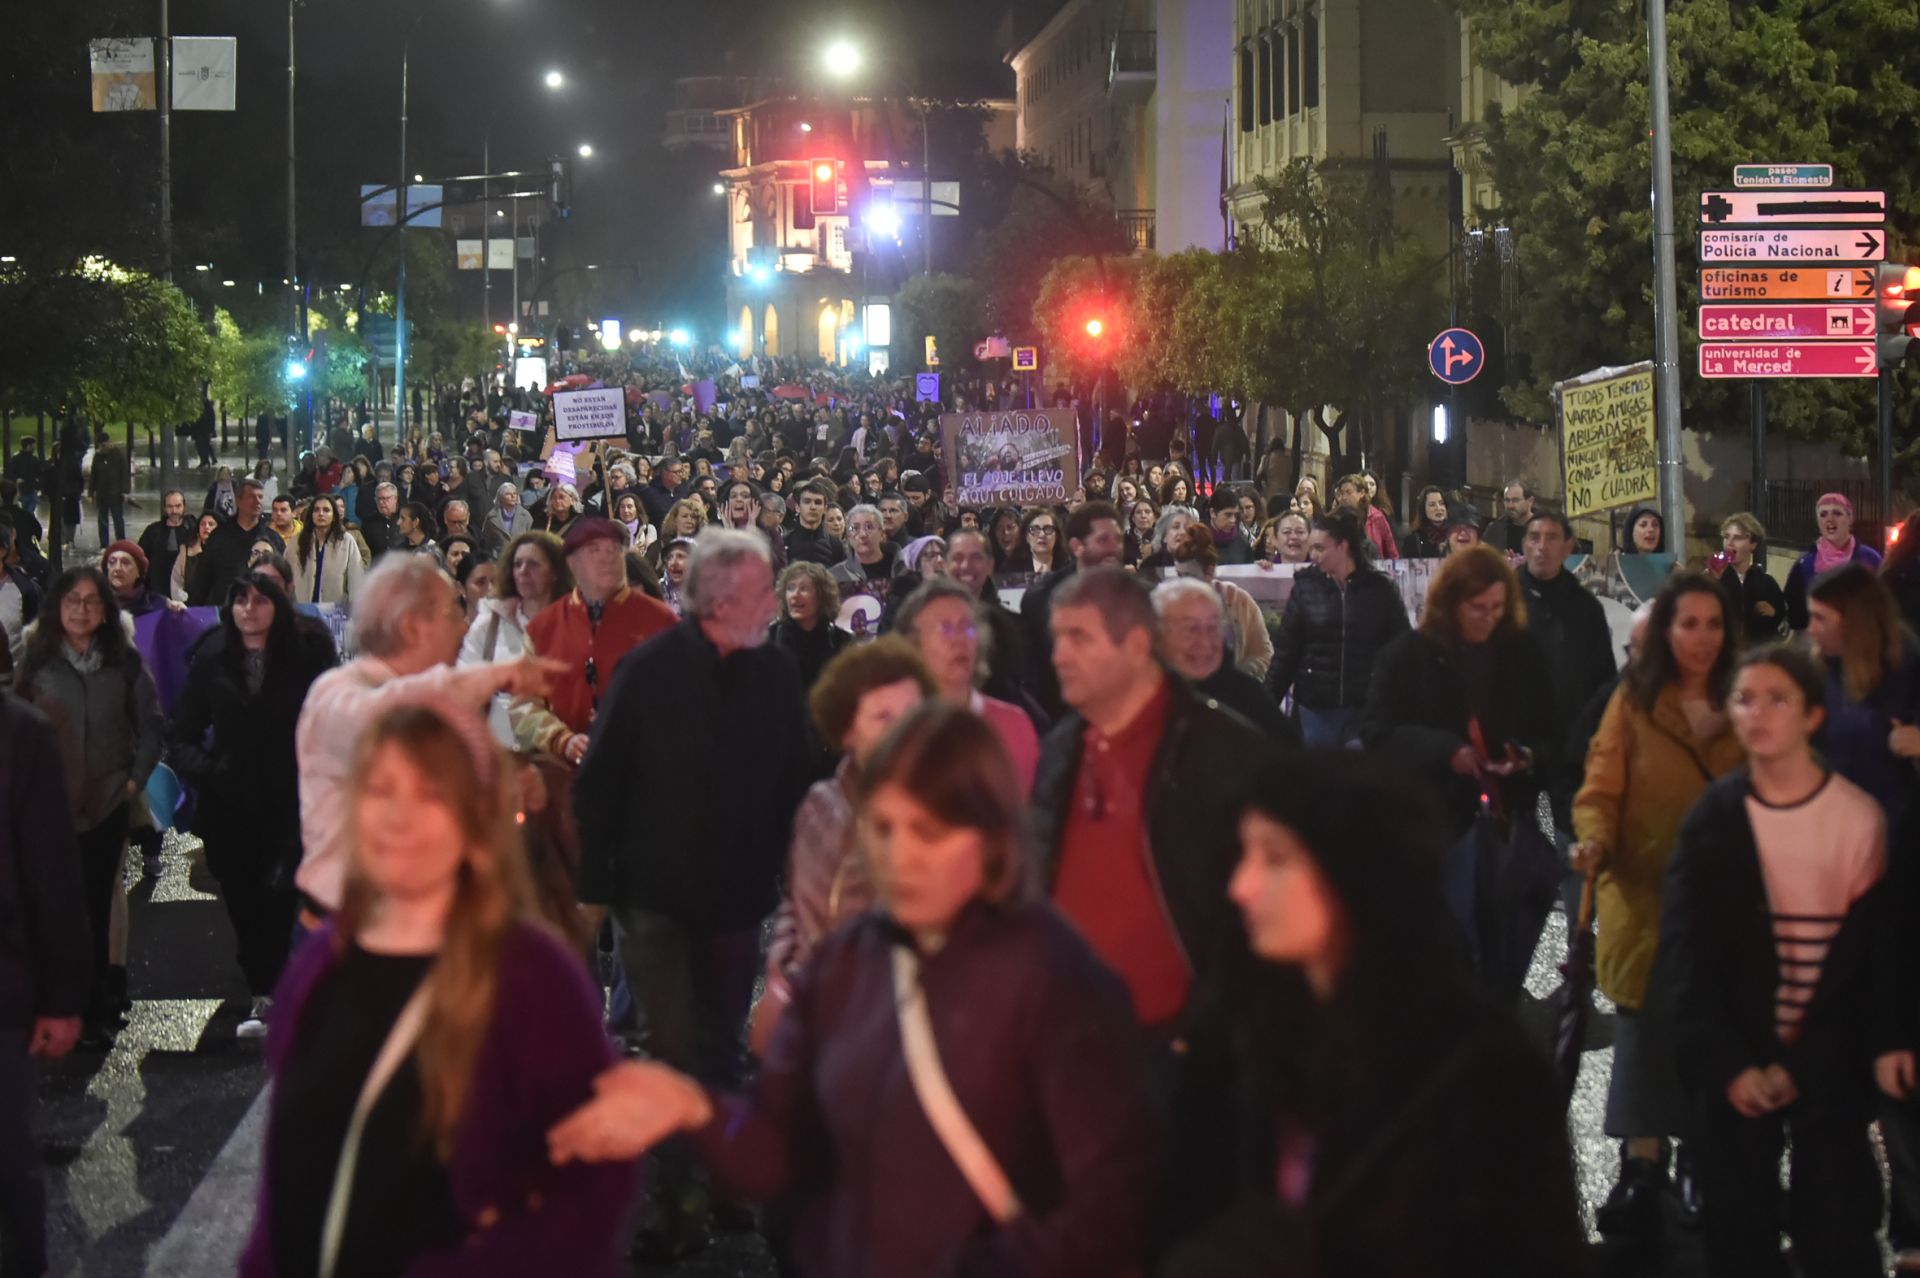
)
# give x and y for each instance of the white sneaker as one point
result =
(255, 1026)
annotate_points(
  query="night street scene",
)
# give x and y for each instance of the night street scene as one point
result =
(1028, 639)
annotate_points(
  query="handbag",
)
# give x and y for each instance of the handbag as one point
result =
(935, 1094)
(400, 1040)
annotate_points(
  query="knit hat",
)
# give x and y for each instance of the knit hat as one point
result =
(132, 550)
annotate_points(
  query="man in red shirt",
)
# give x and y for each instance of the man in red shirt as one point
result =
(588, 632)
(1137, 811)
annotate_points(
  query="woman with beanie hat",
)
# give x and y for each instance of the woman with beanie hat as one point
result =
(1833, 513)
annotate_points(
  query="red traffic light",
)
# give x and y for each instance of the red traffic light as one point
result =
(1095, 328)
(501, 329)
(825, 187)
(1900, 282)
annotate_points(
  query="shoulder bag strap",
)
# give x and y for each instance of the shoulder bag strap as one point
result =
(400, 1040)
(937, 1101)
(493, 633)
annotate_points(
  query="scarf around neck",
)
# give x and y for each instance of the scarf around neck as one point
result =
(1826, 556)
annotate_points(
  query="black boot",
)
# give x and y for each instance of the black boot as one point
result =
(1686, 1186)
(1632, 1210)
(118, 1004)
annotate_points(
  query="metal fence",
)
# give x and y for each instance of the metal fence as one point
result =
(1138, 226)
(1786, 506)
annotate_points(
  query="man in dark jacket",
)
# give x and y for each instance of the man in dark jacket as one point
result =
(809, 539)
(43, 961)
(1143, 764)
(1572, 630)
(231, 547)
(1193, 625)
(683, 835)
(162, 539)
(659, 494)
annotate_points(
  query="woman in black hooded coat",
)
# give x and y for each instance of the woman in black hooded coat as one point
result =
(1397, 1124)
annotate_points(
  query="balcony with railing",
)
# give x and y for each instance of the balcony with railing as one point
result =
(694, 127)
(1133, 64)
(1137, 226)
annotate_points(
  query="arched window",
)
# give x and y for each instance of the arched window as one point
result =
(771, 327)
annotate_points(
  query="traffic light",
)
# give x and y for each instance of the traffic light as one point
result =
(1095, 327)
(562, 188)
(1897, 314)
(824, 179)
(500, 330)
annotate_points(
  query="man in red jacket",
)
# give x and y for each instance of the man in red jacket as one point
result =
(588, 632)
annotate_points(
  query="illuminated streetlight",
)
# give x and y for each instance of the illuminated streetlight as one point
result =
(586, 150)
(842, 58)
(513, 328)
(719, 188)
(201, 267)
(805, 127)
(418, 178)
(634, 335)
(226, 283)
(555, 79)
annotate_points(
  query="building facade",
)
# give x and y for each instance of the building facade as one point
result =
(1345, 83)
(1126, 100)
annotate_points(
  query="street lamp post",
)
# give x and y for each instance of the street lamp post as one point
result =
(400, 291)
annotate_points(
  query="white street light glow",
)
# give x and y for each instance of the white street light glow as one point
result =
(586, 150)
(555, 79)
(842, 58)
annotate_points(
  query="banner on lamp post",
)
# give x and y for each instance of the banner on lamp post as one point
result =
(204, 72)
(123, 76)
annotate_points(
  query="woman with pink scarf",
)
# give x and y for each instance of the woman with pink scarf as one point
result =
(1837, 546)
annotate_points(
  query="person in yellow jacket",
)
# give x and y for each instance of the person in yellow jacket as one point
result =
(1664, 738)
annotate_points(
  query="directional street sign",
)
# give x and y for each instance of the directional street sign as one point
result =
(1780, 208)
(1865, 244)
(1772, 323)
(1782, 283)
(1456, 356)
(1786, 359)
(1783, 176)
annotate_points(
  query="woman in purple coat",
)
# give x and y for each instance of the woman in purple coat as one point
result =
(955, 1087)
(426, 1038)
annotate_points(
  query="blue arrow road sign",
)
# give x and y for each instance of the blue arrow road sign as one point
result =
(1456, 356)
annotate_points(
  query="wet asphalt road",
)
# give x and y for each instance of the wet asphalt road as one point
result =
(130, 1136)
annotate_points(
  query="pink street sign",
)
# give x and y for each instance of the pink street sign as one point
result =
(1772, 323)
(1786, 359)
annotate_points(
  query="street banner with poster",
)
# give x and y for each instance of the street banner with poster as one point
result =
(205, 71)
(123, 77)
(1018, 458)
(600, 413)
(1608, 448)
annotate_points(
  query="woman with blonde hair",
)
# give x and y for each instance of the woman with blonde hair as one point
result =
(427, 1036)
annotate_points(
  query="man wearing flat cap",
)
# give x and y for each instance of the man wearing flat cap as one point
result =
(587, 631)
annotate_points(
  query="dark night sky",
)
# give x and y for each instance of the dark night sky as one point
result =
(472, 60)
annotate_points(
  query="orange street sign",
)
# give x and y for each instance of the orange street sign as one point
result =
(1774, 283)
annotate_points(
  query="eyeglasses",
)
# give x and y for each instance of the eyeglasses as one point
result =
(1042, 530)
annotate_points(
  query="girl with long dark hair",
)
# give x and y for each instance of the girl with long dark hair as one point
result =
(229, 739)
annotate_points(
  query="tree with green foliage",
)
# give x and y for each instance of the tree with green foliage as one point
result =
(1799, 80)
(1045, 221)
(101, 341)
(943, 307)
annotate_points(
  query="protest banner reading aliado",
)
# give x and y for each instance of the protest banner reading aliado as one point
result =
(1019, 458)
(1607, 443)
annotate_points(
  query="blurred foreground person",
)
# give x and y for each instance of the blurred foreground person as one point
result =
(43, 964)
(428, 1036)
(1765, 947)
(954, 1088)
(1397, 1125)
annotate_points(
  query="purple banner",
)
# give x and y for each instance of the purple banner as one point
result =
(163, 638)
(703, 395)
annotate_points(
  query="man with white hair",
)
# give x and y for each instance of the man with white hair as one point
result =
(407, 628)
(1193, 630)
(684, 831)
(456, 520)
(378, 528)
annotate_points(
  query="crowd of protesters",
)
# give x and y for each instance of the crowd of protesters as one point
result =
(695, 802)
